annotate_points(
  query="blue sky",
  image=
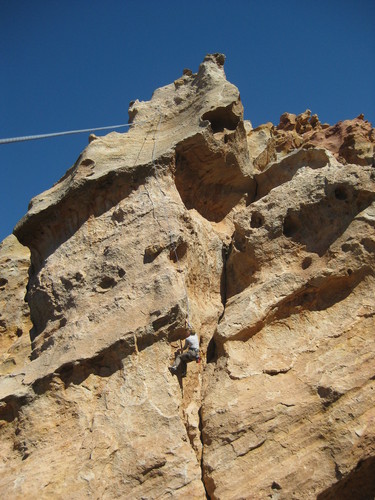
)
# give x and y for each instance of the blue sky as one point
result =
(78, 63)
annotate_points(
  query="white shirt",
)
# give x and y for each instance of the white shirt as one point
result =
(192, 342)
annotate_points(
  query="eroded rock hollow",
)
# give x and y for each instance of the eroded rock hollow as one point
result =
(263, 240)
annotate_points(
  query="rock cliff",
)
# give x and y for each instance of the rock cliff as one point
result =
(263, 240)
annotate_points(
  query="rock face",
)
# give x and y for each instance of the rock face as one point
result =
(15, 323)
(261, 239)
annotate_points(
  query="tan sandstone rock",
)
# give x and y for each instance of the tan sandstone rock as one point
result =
(263, 240)
(15, 324)
(294, 377)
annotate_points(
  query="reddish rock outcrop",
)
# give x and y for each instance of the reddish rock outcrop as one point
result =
(351, 141)
(263, 239)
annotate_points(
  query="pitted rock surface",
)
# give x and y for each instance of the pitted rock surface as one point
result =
(15, 324)
(264, 241)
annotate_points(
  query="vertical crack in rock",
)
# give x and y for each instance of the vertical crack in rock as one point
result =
(266, 238)
(212, 351)
(202, 457)
(15, 322)
(227, 248)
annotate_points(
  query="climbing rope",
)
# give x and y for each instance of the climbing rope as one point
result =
(172, 243)
(58, 134)
(95, 129)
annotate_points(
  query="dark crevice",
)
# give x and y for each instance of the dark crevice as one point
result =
(211, 356)
(212, 350)
(225, 252)
(10, 407)
(151, 469)
(254, 195)
(3, 282)
(221, 119)
(208, 175)
(328, 395)
(151, 252)
(202, 458)
(272, 371)
(358, 484)
(178, 251)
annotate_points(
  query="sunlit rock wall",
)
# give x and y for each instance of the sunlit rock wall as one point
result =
(263, 240)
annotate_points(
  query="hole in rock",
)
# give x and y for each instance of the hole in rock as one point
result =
(328, 394)
(67, 283)
(291, 225)
(121, 272)
(318, 225)
(118, 215)
(306, 263)
(178, 252)
(368, 244)
(107, 282)
(341, 193)
(50, 342)
(221, 118)
(257, 220)
(239, 243)
(3, 281)
(151, 252)
(87, 162)
(9, 410)
(208, 178)
(211, 356)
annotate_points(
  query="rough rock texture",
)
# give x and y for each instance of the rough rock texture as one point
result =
(351, 141)
(263, 239)
(15, 324)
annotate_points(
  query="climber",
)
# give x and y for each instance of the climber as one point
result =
(192, 353)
